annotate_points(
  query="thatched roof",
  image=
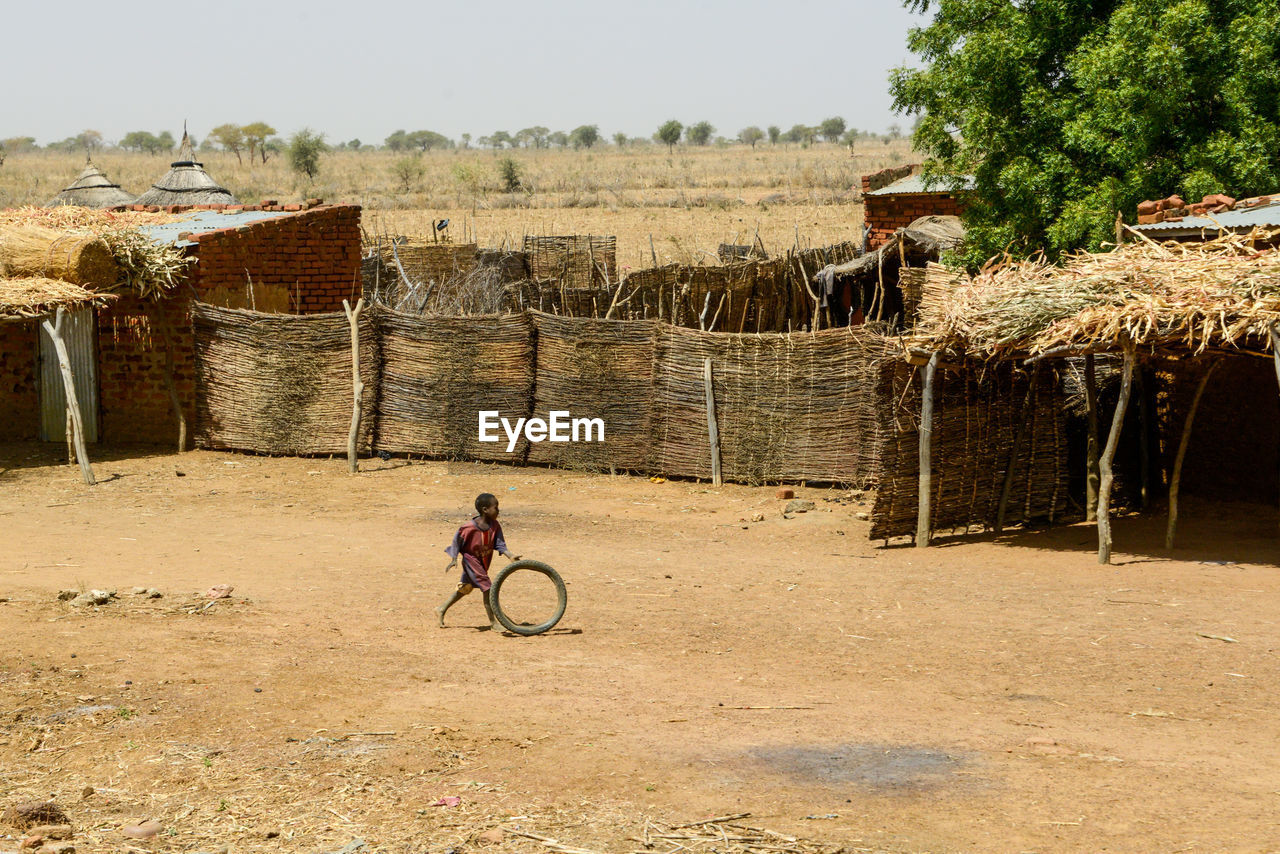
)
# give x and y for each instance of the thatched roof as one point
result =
(186, 183)
(92, 189)
(28, 298)
(1171, 297)
(926, 237)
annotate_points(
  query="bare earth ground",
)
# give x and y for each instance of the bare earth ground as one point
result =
(995, 694)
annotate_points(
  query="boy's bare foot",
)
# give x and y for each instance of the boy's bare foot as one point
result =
(495, 626)
(440, 615)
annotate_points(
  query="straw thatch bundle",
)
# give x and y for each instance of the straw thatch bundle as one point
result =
(186, 183)
(1224, 293)
(92, 189)
(438, 373)
(788, 407)
(31, 297)
(976, 421)
(34, 250)
(596, 369)
(278, 383)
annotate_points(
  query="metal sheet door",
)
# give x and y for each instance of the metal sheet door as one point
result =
(79, 331)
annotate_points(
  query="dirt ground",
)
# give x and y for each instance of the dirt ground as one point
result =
(990, 694)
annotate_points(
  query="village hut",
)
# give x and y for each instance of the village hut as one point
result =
(92, 189)
(1182, 311)
(186, 183)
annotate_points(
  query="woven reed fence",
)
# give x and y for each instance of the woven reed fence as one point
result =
(280, 383)
(596, 369)
(439, 372)
(427, 262)
(788, 407)
(575, 260)
(977, 414)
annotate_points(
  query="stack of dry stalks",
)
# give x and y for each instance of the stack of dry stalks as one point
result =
(30, 297)
(1223, 293)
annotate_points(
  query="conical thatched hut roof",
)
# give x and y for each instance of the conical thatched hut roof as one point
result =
(186, 183)
(92, 189)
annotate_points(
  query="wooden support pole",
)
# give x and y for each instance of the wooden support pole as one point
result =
(1018, 438)
(1109, 454)
(1091, 454)
(923, 517)
(69, 386)
(713, 429)
(353, 317)
(1176, 479)
(1144, 435)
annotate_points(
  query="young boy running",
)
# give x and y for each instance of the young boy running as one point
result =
(476, 542)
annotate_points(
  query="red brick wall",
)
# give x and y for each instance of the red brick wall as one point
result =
(19, 404)
(886, 214)
(314, 253)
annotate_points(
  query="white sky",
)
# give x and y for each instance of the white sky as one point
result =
(365, 68)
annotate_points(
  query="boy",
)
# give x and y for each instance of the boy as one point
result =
(476, 542)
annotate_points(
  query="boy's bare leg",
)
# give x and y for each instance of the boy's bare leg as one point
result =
(494, 625)
(463, 590)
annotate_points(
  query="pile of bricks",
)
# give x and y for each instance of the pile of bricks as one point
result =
(264, 205)
(1173, 209)
(885, 177)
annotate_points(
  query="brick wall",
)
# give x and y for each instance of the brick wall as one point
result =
(886, 214)
(133, 400)
(19, 404)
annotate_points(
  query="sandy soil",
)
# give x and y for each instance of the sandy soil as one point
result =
(990, 694)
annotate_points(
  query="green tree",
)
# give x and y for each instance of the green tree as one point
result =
(255, 138)
(408, 171)
(831, 128)
(1066, 112)
(501, 139)
(669, 133)
(140, 140)
(19, 144)
(305, 148)
(425, 140)
(620, 139)
(509, 171)
(775, 133)
(700, 133)
(751, 135)
(354, 144)
(802, 134)
(584, 136)
(534, 137)
(230, 137)
(398, 141)
(558, 138)
(166, 141)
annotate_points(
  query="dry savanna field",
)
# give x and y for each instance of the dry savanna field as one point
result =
(728, 677)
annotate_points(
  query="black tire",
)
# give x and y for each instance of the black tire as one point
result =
(495, 596)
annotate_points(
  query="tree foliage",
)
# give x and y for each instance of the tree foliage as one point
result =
(751, 135)
(584, 136)
(700, 133)
(305, 148)
(1067, 111)
(669, 133)
(230, 137)
(255, 137)
(775, 133)
(831, 128)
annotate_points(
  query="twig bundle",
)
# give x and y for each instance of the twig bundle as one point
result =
(27, 298)
(1223, 293)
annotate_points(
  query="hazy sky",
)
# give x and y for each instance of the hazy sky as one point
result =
(365, 68)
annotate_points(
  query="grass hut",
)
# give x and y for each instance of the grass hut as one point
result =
(1183, 312)
(186, 183)
(92, 189)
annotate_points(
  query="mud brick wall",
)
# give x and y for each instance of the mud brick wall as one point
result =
(886, 214)
(314, 255)
(19, 404)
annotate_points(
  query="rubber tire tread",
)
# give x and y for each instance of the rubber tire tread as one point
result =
(562, 596)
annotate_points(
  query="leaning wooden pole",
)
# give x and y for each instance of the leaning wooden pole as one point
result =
(713, 428)
(353, 317)
(69, 386)
(924, 522)
(1109, 454)
(1176, 479)
(1019, 437)
(1091, 455)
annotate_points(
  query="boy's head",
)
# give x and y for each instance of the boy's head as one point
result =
(487, 505)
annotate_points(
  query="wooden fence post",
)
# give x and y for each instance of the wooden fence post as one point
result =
(1109, 453)
(923, 516)
(1176, 479)
(713, 429)
(353, 317)
(69, 386)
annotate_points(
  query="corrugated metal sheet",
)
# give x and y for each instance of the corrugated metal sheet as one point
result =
(198, 222)
(79, 330)
(1264, 216)
(915, 184)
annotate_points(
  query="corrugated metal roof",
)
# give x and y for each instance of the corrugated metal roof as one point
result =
(198, 222)
(915, 184)
(1261, 216)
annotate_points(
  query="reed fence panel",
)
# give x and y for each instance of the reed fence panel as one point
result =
(280, 383)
